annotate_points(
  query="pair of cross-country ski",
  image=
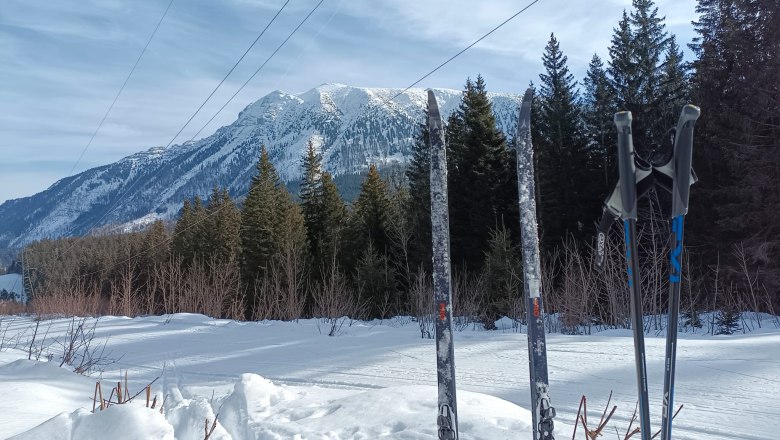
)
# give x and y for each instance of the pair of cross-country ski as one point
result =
(622, 203)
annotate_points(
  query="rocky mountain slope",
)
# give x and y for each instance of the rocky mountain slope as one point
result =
(352, 127)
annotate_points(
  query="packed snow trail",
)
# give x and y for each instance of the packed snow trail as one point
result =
(725, 382)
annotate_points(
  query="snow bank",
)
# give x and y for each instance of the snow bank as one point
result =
(127, 422)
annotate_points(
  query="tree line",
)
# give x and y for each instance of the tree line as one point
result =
(275, 256)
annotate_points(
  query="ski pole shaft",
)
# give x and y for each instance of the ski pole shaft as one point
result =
(627, 170)
(683, 154)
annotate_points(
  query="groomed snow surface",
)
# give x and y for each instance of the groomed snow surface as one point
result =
(275, 380)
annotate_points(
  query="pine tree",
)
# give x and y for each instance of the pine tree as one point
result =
(367, 241)
(260, 221)
(223, 222)
(482, 181)
(369, 213)
(183, 233)
(311, 201)
(503, 282)
(333, 217)
(675, 87)
(598, 110)
(636, 73)
(568, 202)
(418, 211)
(623, 72)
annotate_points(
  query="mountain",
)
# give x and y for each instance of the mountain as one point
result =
(350, 126)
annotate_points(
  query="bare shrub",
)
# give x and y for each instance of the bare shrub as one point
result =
(421, 293)
(468, 296)
(334, 303)
(577, 290)
(79, 350)
(71, 296)
(171, 279)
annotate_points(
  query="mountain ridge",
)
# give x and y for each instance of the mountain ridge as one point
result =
(351, 127)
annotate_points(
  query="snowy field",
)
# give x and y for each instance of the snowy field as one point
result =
(273, 380)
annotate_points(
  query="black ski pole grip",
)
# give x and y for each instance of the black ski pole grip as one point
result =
(626, 165)
(683, 152)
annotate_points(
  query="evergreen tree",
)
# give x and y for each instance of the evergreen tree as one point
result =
(189, 234)
(375, 283)
(675, 88)
(333, 217)
(156, 244)
(623, 72)
(183, 233)
(482, 180)
(502, 277)
(260, 221)
(598, 112)
(569, 203)
(418, 211)
(368, 245)
(636, 71)
(369, 214)
(311, 201)
(222, 225)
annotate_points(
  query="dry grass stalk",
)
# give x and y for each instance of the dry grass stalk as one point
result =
(582, 417)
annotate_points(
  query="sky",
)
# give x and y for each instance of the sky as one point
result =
(62, 62)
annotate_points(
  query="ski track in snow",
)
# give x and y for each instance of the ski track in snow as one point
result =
(379, 380)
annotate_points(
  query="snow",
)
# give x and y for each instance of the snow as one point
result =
(276, 380)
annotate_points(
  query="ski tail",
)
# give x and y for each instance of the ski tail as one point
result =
(682, 178)
(628, 197)
(542, 411)
(447, 417)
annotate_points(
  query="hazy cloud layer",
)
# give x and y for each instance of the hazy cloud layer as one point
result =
(62, 62)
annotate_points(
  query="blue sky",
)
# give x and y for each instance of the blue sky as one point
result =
(63, 61)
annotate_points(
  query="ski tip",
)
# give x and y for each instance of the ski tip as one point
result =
(433, 106)
(529, 95)
(623, 119)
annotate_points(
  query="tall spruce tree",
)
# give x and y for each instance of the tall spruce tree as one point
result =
(368, 222)
(636, 70)
(418, 211)
(333, 217)
(569, 203)
(482, 180)
(222, 225)
(598, 105)
(311, 196)
(183, 233)
(675, 87)
(260, 221)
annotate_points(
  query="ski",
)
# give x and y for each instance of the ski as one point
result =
(682, 179)
(628, 190)
(542, 411)
(447, 419)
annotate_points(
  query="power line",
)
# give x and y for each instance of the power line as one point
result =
(260, 68)
(138, 60)
(462, 51)
(228, 74)
(126, 191)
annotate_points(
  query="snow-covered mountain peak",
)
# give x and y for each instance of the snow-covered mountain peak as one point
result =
(351, 127)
